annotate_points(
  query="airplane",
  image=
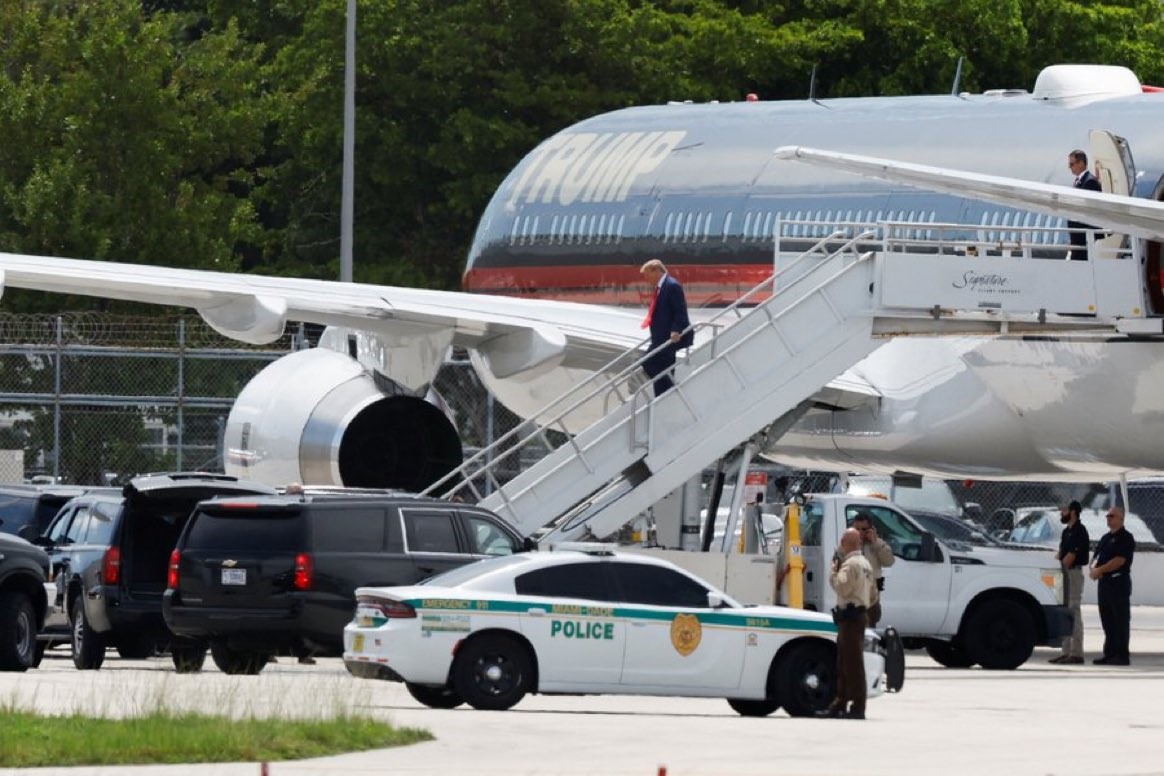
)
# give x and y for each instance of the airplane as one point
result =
(554, 292)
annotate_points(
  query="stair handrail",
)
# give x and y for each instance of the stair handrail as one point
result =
(608, 382)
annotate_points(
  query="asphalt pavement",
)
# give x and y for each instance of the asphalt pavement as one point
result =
(1040, 719)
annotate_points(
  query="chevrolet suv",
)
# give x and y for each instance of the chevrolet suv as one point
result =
(260, 576)
(108, 554)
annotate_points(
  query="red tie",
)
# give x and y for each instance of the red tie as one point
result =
(650, 310)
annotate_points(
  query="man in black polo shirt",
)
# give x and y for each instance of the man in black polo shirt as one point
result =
(1074, 546)
(1112, 567)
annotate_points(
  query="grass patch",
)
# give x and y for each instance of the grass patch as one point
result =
(167, 737)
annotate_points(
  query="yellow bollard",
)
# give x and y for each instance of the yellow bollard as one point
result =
(795, 578)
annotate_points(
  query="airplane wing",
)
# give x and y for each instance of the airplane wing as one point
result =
(1130, 215)
(514, 334)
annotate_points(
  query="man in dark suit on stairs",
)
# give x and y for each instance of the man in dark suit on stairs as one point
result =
(668, 322)
(1077, 163)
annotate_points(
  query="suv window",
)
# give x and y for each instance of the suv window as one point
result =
(657, 586)
(102, 519)
(571, 580)
(230, 530)
(347, 529)
(429, 531)
(488, 538)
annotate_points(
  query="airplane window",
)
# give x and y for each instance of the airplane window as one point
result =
(573, 231)
(533, 232)
(727, 225)
(667, 227)
(602, 228)
(707, 226)
(687, 228)
(588, 233)
(553, 229)
(621, 221)
(513, 231)
(698, 225)
(768, 225)
(747, 224)
(798, 229)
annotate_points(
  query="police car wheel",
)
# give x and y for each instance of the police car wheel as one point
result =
(748, 708)
(434, 697)
(807, 678)
(492, 672)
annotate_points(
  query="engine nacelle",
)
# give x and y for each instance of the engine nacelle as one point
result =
(320, 418)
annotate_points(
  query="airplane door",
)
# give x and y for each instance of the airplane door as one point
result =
(1113, 165)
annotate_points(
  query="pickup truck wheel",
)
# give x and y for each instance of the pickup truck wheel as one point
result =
(807, 682)
(948, 654)
(188, 658)
(434, 697)
(88, 644)
(999, 635)
(238, 661)
(752, 708)
(492, 672)
(17, 632)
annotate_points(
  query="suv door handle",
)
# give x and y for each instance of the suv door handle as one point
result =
(536, 611)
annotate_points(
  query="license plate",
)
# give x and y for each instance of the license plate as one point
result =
(234, 576)
(358, 643)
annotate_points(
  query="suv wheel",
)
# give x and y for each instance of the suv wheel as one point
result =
(139, 646)
(237, 661)
(1000, 635)
(88, 644)
(17, 632)
(188, 658)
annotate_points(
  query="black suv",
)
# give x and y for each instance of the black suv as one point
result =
(27, 510)
(109, 554)
(23, 602)
(261, 576)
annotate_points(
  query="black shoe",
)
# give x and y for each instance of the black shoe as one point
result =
(832, 712)
(1117, 661)
(1101, 661)
(855, 714)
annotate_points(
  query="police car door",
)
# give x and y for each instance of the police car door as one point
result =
(674, 641)
(570, 622)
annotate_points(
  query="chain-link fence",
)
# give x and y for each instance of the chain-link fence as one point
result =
(91, 398)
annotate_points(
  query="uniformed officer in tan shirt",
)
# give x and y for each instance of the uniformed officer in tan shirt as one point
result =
(852, 579)
(878, 552)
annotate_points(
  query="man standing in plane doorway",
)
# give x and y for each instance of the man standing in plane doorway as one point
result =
(1074, 546)
(668, 322)
(1077, 163)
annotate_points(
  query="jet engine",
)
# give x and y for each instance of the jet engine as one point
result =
(321, 418)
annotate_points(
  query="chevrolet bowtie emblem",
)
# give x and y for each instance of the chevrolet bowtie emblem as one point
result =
(230, 563)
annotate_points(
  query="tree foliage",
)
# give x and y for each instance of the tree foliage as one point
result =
(208, 133)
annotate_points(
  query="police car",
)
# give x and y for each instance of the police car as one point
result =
(589, 622)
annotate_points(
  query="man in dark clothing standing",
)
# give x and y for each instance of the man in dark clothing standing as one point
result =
(1077, 163)
(1112, 567)
(668, 321)
(1074, 546)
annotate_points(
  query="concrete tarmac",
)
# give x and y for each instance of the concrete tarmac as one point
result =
(1040, 719)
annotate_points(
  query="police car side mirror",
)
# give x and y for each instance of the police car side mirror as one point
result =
(929, 549)
(714, 600)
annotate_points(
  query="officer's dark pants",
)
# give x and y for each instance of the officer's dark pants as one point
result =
(658, 367)
(850, 665)
(1115, 613)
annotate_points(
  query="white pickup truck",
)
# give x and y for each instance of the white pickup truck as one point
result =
(965, 604)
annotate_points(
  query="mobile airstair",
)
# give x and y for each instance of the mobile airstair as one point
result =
(757, 364)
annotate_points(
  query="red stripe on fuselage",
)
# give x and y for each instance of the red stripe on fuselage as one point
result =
(704, 284)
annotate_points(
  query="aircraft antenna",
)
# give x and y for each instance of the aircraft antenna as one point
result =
(957, 78)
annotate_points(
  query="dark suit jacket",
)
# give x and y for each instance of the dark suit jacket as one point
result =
(1091, 183)
(670, 314)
